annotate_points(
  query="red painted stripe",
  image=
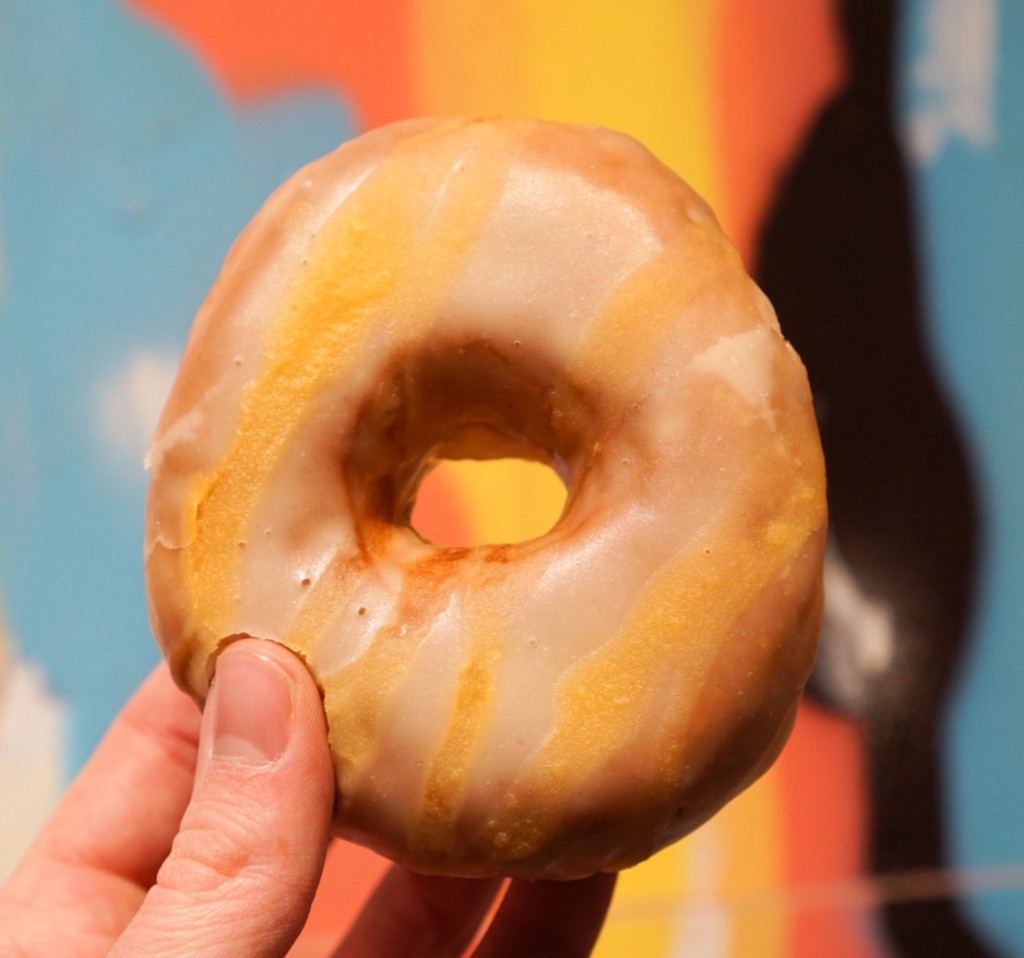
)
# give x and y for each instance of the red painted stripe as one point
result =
(440, 514)
(777, 64)
(362, 50)
(823, 781)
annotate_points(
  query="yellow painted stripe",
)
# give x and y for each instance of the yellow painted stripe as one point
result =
(644, 68)
(753, 868)
(635, 928)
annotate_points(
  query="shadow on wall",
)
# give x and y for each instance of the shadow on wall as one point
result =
(837, 257)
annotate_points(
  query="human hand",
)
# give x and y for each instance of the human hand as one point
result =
(206, 836)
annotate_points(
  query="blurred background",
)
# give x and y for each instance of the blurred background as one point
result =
(867, 159)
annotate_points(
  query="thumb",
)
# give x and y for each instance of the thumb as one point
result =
(246, 861)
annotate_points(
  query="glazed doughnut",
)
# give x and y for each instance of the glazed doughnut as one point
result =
(444, 289)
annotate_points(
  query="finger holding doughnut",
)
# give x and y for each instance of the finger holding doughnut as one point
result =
(445, 289)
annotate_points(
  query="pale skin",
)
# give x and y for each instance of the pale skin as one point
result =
(205, 835)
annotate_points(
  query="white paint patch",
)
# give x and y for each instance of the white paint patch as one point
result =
(128, 404)
(858, 639)
(32, 760)
(704, 927)
(953, 78)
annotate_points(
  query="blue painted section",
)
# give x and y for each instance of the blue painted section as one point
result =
(971, 204)
(124, 176)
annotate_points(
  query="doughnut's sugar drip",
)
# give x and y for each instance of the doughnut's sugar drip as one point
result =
(447, 289)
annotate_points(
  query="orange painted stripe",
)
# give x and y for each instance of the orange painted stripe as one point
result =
(823, 783)
(439, 513)
(775, 73)
(778, 62)
(350, 875)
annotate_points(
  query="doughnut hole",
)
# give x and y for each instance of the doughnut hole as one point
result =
(505, 501)
(456, 406)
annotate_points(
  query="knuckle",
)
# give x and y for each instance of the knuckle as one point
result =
(217, 847)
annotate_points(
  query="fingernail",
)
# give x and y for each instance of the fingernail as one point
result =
(252, 709)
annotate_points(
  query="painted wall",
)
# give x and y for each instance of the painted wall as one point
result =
(865, 158)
